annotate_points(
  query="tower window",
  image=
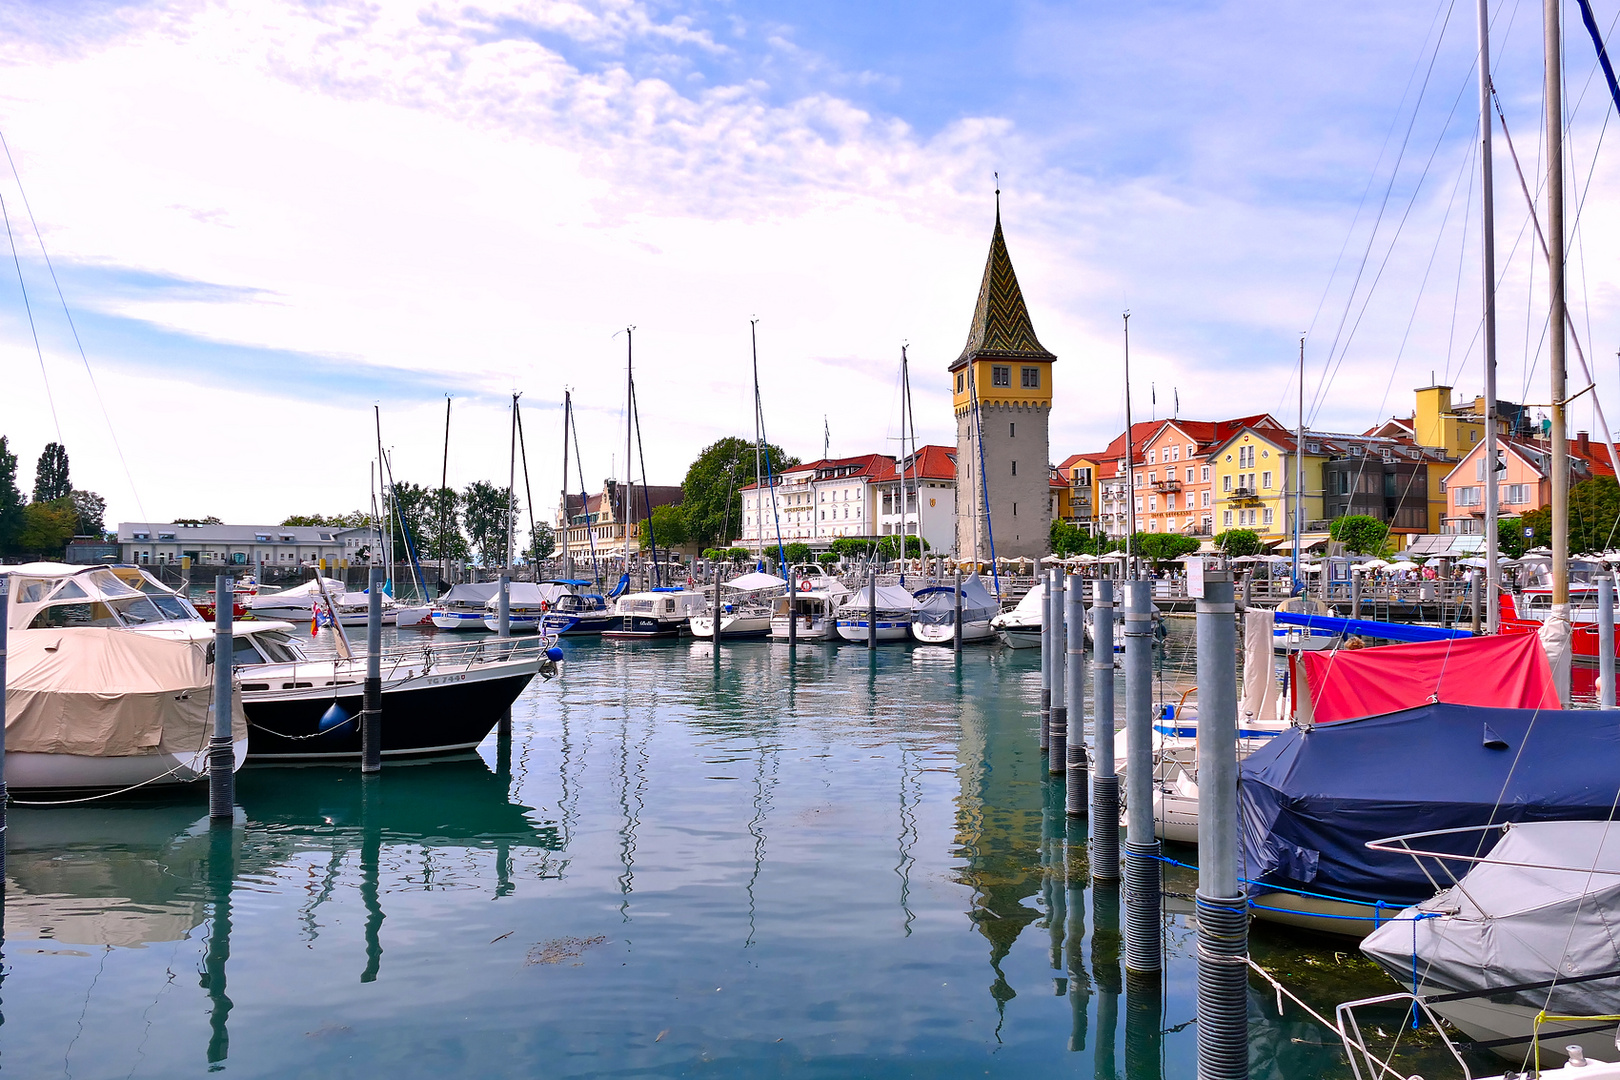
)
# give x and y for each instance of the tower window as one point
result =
(958, 382)
(1015, 509)
(1012, 431)
(1031, 378)
(1000, 376)
(1015, 468)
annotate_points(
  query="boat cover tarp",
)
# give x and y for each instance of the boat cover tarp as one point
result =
(937, 606)
(1511, 925)
(527, 594)
(1310, 799)
(301, 595)
(470, 594)
(1367, 627)
(1507, 671)
(755, 581)
(892, 600)
(99, 692)
(1030, 611)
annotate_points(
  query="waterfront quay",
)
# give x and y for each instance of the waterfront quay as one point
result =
(826, 861)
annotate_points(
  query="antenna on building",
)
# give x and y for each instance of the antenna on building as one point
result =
(826, 438)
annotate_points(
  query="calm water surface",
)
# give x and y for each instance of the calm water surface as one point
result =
(843, 865)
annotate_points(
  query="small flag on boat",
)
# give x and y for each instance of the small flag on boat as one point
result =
(319, 617)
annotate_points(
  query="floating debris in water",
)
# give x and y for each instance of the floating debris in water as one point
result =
(557, 950)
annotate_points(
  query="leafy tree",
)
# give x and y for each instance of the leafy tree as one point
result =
(797, 552)
(1594, 510)
(709, 492)
(542, 542)
(486, 516)
(11, 499)
(1239, 542)
(714, 554)
(889, 547)
(1164, 547)
(414, 505)
(1066, 538)
(1510, 540)
(47, 527)
(828, 559)
(91, 510)
(444, 539)
(354, 519)
(51, 474)
(738, 555)
(668, 527)
(1360, 533)
(211, 520)
(1540, 524)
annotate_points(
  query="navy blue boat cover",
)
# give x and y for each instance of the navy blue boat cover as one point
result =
(1310, 800)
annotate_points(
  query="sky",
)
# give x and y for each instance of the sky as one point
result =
(266, 220)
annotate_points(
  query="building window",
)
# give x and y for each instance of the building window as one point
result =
(1226, 518)
(1136, 480)
(1516, 494)
(1153, 504)
(1468, 496)
(1265, 480)
(1226, 482)
(1203, 474)
(1175, 453)
(1203, 498)
(1015, 509)
(1000, 376)
(1192, 452)
(1031, 377)
(1012, 431)
(1267, 518)
(1189, 474)
(1015, 468)
(958, 382)
(1153, 456)
(1153, 478)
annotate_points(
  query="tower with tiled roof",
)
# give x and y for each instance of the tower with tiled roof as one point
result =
(1002, 395)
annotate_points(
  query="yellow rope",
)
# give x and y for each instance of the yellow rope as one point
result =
(1543, 1016)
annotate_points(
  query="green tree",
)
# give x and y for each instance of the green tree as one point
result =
(51, 474)
(828, 559)
(1360, 533)
(1594, 510)
(1066, 538)
(1510, 540)
(542, 542)
(354, 519)
(738, 555)
(797, 552)
(91, 510)
(889, 547)
(668, 527)
(414, 505)
(1238, 542)
(1539, 522)
(709, 492)
(47, 527)
(851, 547)
(11, 499)
(1164, 547)
(444, 536)
(485, 515)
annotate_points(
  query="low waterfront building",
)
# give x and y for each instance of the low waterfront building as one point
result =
(163, 543)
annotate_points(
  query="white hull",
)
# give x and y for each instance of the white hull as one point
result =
(413, 616)
(887, 630)
(940, 634)
(517, 624)
(459, 620)
(1507, 1027)
(25, 772)
(819, 628)
(743, 625)
(1020, 637)
(1286, 641)
(302, 613)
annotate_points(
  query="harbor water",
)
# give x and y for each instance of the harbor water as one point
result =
(829, 863)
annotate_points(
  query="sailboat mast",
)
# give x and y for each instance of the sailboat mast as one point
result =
(511, 485)
(1488, 289)
(759, 472)
(1557, 331)
(562, 506)
(629, 394)
(905, 402)
(444, 507)
(1299, 461)
(1130, 465)
(385, 539)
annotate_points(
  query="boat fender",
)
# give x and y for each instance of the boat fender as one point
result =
(333, 718)
(554, 653)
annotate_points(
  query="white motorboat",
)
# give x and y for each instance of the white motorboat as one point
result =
(815, 610)
(94, 699)
(658, 613)
(462, 608)
(748, 615)
(935, 621)
(895, 608)
(527, 603)
(298, 603)
(1021, 627)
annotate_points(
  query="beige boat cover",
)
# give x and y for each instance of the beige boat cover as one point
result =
(98, 692)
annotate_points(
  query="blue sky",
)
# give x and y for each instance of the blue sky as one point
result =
(281, 214)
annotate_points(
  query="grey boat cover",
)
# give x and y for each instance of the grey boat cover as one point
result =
(471, 594)
(522, 595)
(937, 606)
(1554, 917)
(893, 601)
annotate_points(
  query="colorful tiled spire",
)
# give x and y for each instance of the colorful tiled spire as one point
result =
(1001, 328)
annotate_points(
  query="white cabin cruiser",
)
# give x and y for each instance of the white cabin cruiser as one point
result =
(815, 610)
(895, 609)
(935, 621)
(298, 603)
(658, 613)
(748, 615)
(95, 699)
(1021, 627)
(462, 608)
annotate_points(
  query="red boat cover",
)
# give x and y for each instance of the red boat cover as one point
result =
(1509, 671)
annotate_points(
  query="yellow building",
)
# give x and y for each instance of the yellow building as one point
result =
(1254, 482)
(1079, 497)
